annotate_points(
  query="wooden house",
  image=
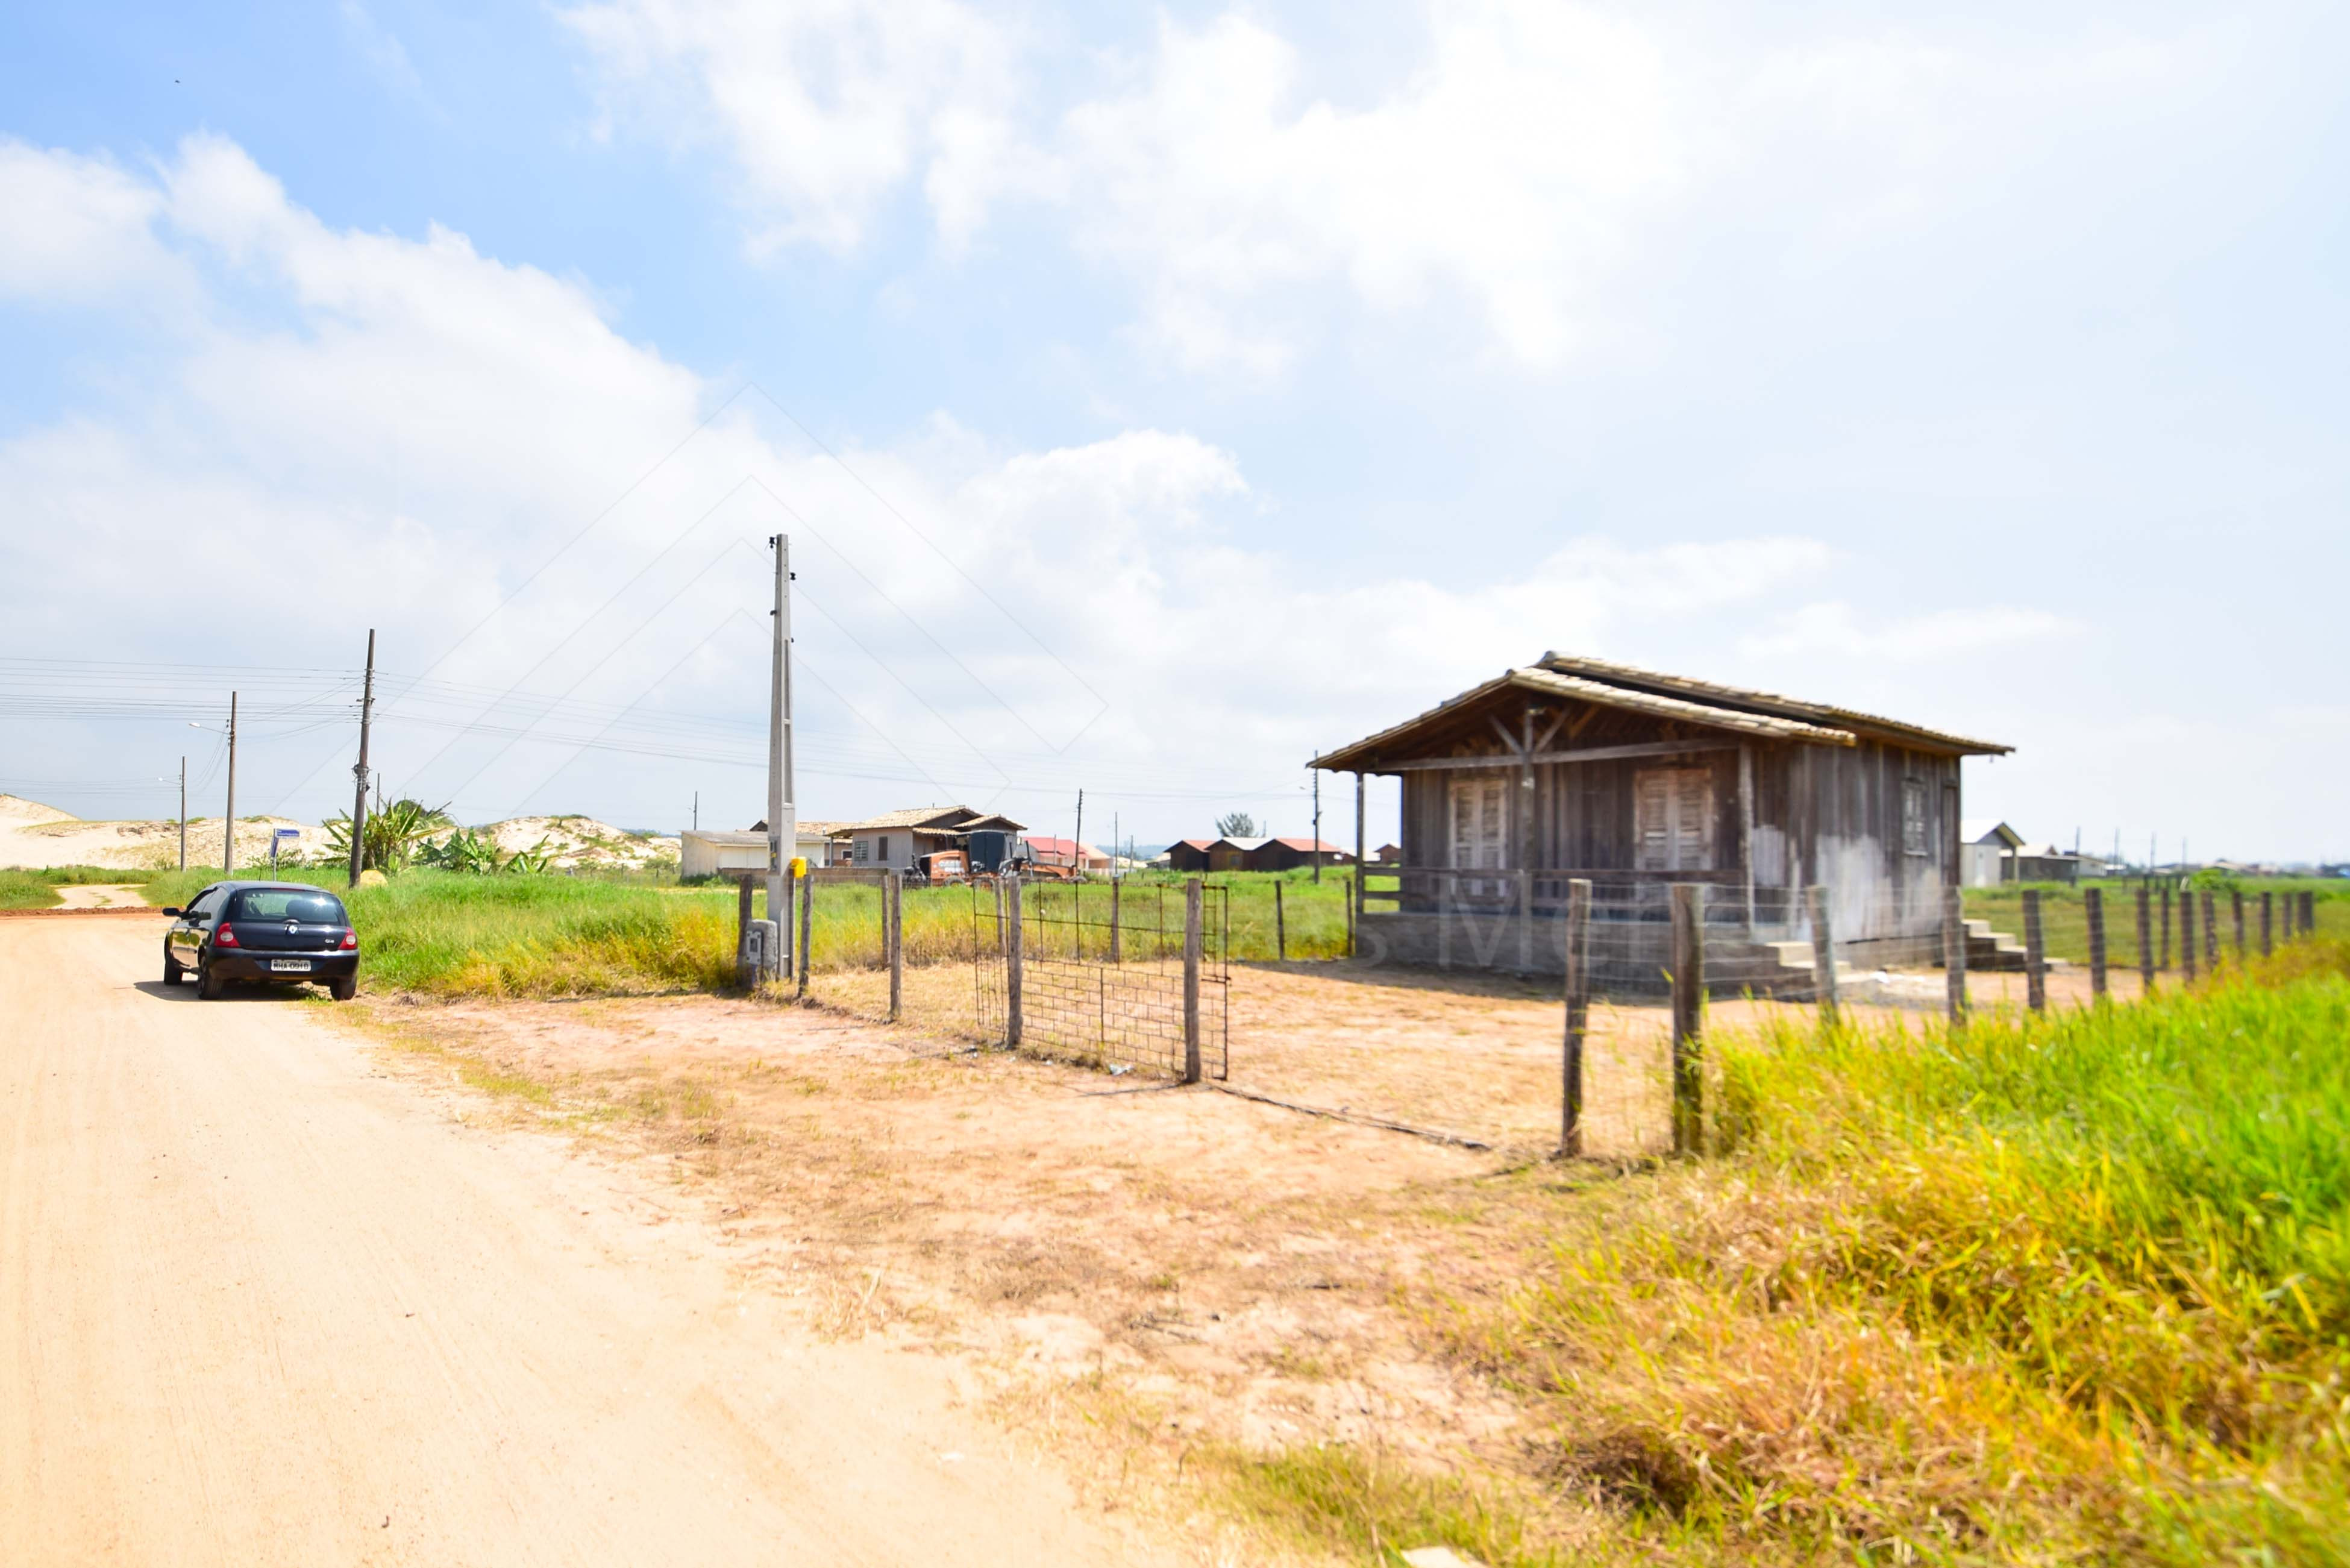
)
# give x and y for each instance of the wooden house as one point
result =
(1189, 854)
(1291, 854)
(1578, 768)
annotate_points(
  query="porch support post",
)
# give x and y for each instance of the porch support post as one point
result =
(1529, 836)
(1746, 829)
(1357, 894)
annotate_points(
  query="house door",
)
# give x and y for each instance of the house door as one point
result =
(1673, 818)
(1480, 832)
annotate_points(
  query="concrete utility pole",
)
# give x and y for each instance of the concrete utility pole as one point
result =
(783, 826)
(1317, 826)
(183, 813)
(228, 838)
(1078, 855)
(359, 770)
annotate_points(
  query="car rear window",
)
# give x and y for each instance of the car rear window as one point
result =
(301, 904)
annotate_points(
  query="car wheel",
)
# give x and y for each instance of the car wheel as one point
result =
(343, 990)
(207, 987)
(172, 969)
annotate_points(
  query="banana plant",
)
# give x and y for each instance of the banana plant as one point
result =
(531, 862)
(393, 834)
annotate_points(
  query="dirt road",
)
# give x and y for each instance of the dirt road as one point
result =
(260, 1305)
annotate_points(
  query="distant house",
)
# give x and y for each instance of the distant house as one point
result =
(2044, 863)
(1233, 853)
(1289, 853)
(1066, 852)
(1388, 855)
(895, 840)
(1189, 854)
(1986, 851)
(706, 852)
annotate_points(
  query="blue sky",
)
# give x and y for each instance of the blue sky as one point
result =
(1211, 385)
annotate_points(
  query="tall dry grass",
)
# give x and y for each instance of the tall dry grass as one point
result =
(2070, 1288)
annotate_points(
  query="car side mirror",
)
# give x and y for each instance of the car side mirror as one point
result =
(169, 910)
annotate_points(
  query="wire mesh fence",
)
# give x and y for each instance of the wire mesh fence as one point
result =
(1105, 980)
(1524, 1010)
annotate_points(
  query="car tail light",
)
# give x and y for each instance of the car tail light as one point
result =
(350, 941)
(225, 937)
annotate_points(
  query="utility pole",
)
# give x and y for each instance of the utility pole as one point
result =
(1076, 851)
(1116, 871)
(779, 756)
(183, 813)
(697, 811)
(228, 838)
(1317, 827)
(359, 770)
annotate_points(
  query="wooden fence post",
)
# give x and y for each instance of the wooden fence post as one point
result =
(893, 940)
(2236, 898)
(2308, 914)
(2187, 965)
(807, 925)
(1689, 1001)
(1013, 969)
(1824, 965)
(1193, 926)
(1578, 1010)
(1280, 928)
(2144, 940)
(1954, 953)
(2035, 952)
(1117, 953)
(2268, 924)
(743, 975)
(2211, 931)
(2094, 898)
(1354, 904)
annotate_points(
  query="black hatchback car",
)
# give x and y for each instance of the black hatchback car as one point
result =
(276, 933)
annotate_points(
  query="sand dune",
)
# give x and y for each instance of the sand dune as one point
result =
(34, 835)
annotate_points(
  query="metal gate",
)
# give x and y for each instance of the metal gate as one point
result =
(1103, 975)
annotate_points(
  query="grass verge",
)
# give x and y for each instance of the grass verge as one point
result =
(26, 890)
(2072, 1288)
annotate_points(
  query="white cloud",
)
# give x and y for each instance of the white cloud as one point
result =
(1527, 165)
(826, 107)
(72, 227)
(360, 430)
(1834, 628)
(1512, 167)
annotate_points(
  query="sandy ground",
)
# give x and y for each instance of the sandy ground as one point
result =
(102, 896)
(261, 1303)
(1472, 1054)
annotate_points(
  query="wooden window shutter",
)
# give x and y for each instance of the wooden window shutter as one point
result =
(1693, 838)
(1650, 799)
(1672, 819)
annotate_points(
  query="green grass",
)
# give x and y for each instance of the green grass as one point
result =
(26, 890)
(35, 889)
(2067, 1288)
(447, 933)
(2065, 920)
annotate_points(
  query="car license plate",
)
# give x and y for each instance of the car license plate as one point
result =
(289, 966)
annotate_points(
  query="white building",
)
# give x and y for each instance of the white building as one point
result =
(1986, 853)
(706, 852)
